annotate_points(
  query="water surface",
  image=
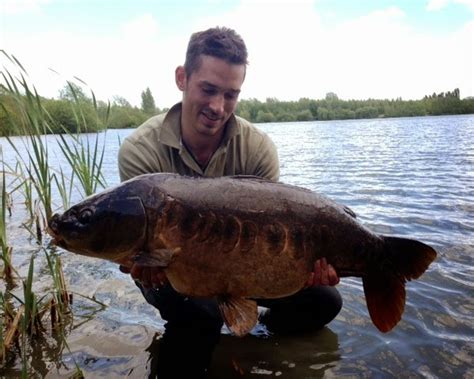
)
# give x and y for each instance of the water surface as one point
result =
(411, 177)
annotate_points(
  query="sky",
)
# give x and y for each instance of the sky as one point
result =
(362, 49)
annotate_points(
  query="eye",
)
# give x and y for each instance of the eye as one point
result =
(85, 216)
(231, 96)
(209, 91)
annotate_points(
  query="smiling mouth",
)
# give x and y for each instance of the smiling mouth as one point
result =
(210, 117)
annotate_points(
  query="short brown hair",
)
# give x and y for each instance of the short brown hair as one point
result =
(219, 42)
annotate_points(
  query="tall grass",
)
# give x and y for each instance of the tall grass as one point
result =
(34, 124)
(21, 316)
(84, 157)
(6, 249)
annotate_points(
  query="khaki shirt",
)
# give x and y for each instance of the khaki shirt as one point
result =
(156, 146)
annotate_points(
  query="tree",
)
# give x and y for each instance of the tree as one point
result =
(148, 102)
(122, 102)
(304, 115)
(331, 96)
(263, 116)
(72, 92)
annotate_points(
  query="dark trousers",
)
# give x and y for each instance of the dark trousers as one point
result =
(194, 324)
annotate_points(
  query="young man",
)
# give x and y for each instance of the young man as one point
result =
(201, 136)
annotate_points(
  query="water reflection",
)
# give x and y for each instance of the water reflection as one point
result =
(180, 354)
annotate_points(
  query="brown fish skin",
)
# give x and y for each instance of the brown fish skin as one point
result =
(240, 238)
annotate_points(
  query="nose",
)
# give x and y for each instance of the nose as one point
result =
(217, 104)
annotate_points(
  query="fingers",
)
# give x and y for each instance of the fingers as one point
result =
(317, 273)
(324, 274)
(136, 272)
(158, 278)
(332, 276)
(124, 269)
(148, 276)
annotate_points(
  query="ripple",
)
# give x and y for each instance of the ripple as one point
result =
(412, 177)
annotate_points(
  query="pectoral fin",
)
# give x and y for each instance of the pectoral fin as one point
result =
(239, 314)
(156, 258)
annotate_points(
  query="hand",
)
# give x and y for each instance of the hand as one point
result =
(323, 275)
(149, 277)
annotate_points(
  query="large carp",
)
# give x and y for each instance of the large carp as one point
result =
(240, 238)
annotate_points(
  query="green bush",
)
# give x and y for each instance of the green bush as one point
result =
(125, 117)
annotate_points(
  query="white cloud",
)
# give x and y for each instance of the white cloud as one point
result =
(144, 27)
(21, 6)
(436, 5)
(292, 54)
(121, 64)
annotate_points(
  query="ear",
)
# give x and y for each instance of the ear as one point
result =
(180, 77)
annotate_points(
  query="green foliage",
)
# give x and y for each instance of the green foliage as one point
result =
(263, 116)
(332, 108)
(125, 117)
(304, 115)
(73, 92)
(64, 115)
(148, 102)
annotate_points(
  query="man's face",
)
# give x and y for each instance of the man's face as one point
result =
(210, 94)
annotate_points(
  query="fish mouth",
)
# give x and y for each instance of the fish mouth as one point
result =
(56, 239)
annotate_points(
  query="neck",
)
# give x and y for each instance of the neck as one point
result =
(201, 147)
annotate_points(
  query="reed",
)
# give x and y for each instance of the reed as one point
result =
(6, 249)
(34, 123)
(83, 155)
(22, 319)
(65, 187)
(26, 188)
(62, 299)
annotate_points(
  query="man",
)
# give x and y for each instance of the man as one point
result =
(201, 136)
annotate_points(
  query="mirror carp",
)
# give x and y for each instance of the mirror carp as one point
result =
(238, 239)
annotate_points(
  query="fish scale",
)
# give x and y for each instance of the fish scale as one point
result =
(241, 238)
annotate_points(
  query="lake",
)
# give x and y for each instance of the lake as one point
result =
(411, 177)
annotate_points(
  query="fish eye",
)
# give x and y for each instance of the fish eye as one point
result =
(85, 216)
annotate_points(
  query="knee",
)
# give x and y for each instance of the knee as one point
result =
(327, 303)
(334, 299)
(310, 309)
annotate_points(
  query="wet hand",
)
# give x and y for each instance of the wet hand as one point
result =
(323, 275)
(149, 277)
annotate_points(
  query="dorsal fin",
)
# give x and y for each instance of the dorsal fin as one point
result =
(251, 177)
(349, 211)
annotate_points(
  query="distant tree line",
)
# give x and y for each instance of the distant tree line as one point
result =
(75, 111)
(332, 108)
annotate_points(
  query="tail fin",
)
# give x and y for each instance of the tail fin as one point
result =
(384, 286)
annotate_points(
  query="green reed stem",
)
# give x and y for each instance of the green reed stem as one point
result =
(64, 187)
(85, 160)
(34, 122)
(62, 298)
(6, 250)
(84, 157)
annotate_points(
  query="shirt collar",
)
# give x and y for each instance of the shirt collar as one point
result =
(171, 131)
